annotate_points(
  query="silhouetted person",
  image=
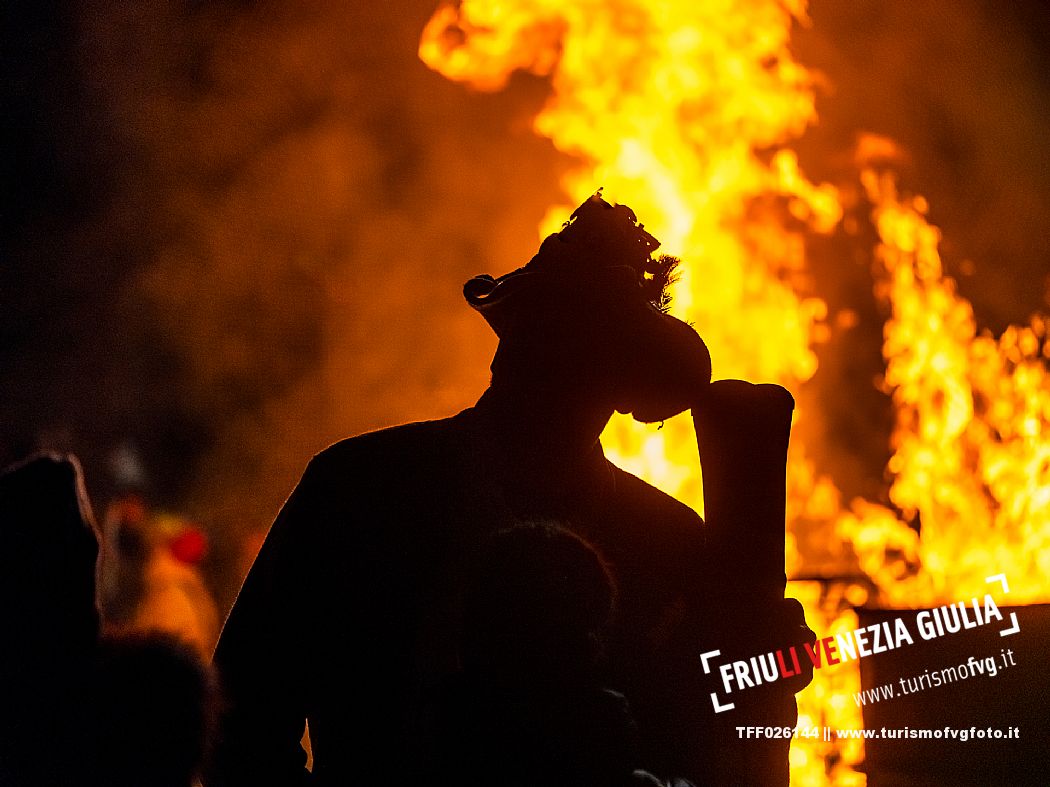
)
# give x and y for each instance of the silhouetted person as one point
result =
(48, 548)
(74, 711)
(348, 616)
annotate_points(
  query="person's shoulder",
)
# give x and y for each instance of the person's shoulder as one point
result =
(409, 444)
(362, 482)
(407, 451)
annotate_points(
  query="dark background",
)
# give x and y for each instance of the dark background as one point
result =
(235, 232)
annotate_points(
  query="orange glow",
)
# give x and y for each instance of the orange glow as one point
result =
(972, 438)
(684, 109)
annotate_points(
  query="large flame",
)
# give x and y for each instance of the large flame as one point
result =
(971, 462)
(679, 110)
(683, 109)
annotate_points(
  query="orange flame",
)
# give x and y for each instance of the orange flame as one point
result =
(680, 113)
(971, 458)
(683, 111)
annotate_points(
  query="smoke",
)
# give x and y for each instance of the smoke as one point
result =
(242, 228)
(964, 88)
(297, 202)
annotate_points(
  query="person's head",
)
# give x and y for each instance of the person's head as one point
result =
(588, 314)
(538, 601)
(48, 552)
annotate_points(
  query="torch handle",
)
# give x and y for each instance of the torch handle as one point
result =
(742, 434)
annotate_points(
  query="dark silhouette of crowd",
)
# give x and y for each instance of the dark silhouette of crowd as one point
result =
(479, 601)
(78, 708)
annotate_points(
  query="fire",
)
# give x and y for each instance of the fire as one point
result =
(971, 460)
(679, 110)
(684, 110)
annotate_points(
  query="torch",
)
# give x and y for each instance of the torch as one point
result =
(742, 433)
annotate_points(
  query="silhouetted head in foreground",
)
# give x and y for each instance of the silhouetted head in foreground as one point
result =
(587, 316)
(529, 707)
(537, 607)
